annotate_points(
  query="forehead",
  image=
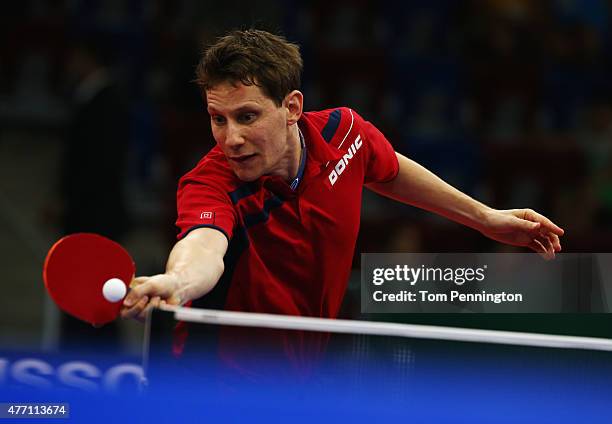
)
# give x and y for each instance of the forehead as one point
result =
(227, 96)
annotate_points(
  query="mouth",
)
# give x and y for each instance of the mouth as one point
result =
(242, 158)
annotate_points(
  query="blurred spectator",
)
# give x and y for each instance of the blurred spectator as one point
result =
(92, 181)
(96, 146)
(596, 140)
(493, 95)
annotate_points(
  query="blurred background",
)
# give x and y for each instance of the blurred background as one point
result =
(508, 100)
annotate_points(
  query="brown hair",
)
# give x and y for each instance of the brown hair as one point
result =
(252, 57)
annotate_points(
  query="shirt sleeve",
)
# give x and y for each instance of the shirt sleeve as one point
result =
(202, 205)
(381, 161)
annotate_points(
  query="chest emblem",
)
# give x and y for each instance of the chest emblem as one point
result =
(343, 163)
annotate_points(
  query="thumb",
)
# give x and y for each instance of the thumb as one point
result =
(136, 281)
(160, 285)
(138, 289)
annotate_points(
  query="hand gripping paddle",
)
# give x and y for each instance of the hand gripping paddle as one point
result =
(81, 272)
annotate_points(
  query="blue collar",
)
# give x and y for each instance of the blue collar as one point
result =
(296, 181)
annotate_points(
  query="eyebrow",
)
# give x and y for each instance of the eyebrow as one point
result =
(239, 109)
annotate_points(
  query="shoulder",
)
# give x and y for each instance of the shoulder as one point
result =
(329, 119)
(336, 124)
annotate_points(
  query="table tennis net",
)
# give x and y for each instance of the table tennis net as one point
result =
(239, 346)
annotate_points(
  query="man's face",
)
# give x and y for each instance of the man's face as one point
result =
(250, 129)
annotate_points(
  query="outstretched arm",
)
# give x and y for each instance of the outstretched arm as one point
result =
(194, 267)
(416, 186)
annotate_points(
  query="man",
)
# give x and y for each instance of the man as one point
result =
(269, 217)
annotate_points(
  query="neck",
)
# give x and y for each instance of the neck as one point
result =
(289, 164)
(298, 151)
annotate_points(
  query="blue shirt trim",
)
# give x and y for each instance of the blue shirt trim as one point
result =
(332, 125)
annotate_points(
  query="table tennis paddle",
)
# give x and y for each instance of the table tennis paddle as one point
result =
(76, 270)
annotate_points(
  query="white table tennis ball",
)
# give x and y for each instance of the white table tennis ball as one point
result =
(114, 290)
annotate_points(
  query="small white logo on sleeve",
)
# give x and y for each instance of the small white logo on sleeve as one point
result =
(206, 215)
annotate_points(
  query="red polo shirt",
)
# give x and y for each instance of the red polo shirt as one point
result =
(290, 251)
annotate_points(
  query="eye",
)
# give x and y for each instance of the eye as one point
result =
(247, 117)
(217, 120)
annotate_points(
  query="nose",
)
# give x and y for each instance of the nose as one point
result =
(233, 136)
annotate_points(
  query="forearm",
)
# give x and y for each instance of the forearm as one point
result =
(416, 186)
(196, 263)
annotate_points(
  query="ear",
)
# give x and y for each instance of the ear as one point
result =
(294, 103)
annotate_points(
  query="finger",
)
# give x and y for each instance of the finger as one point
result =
(547, 251)
(546, 240)
(554, 238)
(546, 223)
(135, 310)
(144, 287)
(131, 299)
(555, 241)
(537, 247)
(154, 303)
(127, 313)
(548, 245)
(175, 300)
(154, 286)
(134, 295)
(527, 225)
